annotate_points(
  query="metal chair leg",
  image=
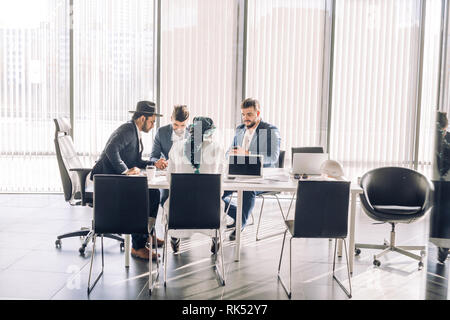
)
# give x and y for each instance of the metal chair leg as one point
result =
(150, 265)
(90, 288)
(165, 256)
(279, 205)
(259, 220)
(348, 293)
(288, 292)
(220, 273)
(290, 205)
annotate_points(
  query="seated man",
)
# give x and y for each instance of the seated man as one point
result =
(257, 137)
(123, 155)
(165, 137)
(199, 153)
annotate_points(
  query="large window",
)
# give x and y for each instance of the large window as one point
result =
(286, 56)
(380, 59)
(375, 83)
(445, 77)
(430, 84)
(198, 60)
(113, 68)
(34, 89)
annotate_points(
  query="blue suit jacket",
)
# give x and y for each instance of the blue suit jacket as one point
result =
(163, 143)
(265, 141)
(121, 152)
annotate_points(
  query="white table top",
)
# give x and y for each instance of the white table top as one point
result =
(268, 183)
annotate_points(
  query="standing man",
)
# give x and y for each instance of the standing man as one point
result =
(256, 137)
(123, 155)
(165, 137)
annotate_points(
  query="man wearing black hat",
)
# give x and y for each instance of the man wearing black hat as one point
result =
(123, 155)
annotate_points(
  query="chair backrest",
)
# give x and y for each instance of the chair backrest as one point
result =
(395, 186)
(321, 209)
(67, 159)
(281, 159)
(120, 204)
(194, 201)
(305, 150)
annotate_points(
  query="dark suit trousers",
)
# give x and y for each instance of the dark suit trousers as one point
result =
(139, 240)
(248, 202)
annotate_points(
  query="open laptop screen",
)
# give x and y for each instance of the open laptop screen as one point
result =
(245, 166)
(308, 163)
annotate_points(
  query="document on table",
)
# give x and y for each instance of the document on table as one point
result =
(270, 179)
(276, 176)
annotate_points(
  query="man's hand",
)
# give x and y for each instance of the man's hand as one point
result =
(161, 164)
(238, 150)
(132, 171)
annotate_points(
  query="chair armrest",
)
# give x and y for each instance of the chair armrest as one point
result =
(365, 201)
(82, 174)
(428, 203)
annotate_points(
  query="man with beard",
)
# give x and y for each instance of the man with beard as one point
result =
(254, 137)
(123, 155)
(165, 137)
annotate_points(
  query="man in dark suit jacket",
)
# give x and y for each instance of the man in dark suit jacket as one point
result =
(123, 155)
(257, 137)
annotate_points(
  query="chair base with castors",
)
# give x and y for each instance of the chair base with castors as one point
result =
(87, 234)
(391, 247)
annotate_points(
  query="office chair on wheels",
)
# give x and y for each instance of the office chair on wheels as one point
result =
(395, 195)
(73, 178)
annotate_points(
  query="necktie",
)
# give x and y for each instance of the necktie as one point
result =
(141, 145)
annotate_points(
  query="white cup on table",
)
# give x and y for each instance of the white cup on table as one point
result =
(151, 172)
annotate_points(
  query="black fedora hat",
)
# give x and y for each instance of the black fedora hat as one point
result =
(146, 107)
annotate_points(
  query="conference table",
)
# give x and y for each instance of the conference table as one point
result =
(275, 179)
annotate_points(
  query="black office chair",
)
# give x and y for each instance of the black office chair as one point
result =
(395, 195)
(304, 150)
(73, 178)
(321, 212)
(194, 203)
(274, 194)
(120, 206)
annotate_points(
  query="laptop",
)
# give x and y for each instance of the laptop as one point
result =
(245, 166)
(308, 163)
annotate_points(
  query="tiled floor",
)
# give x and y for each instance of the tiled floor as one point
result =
(32, 268)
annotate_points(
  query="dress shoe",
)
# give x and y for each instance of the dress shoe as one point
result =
(215, 245)
(442, 254)
(142, 253)
(233, 235)
(175, 244)
(156, 240)
(231, 225)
